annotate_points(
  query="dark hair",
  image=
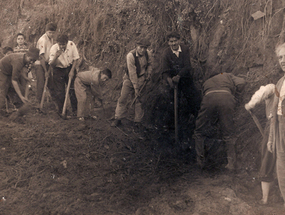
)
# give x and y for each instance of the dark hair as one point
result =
(7, 49)
(107, 72)
(62, 38)
(20, 34)
(171, 35)
(51, 27)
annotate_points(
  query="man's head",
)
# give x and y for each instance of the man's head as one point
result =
(142, 46)
(50, 29)
(173, 40)
(62, 41)
(106, 74)
(7, 50)
(32, 55)
(280, 52)
(20, 39)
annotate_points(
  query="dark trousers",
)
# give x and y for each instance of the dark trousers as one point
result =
(6, 89)
(57, 88)
(268, 159)
(40, 75)
(215, 108)
(189, 91)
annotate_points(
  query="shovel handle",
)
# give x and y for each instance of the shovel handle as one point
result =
(176, 113)
(44, 94)
(66, 95)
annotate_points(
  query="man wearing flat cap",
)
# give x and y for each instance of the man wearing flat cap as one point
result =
(11, 67)
(139, 68)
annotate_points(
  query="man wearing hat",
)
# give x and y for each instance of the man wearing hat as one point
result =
(11, 67)
(139, 68)
(41, 66)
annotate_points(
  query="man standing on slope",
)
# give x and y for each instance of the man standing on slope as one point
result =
(63, 59)
(139, 68)
(41, 66)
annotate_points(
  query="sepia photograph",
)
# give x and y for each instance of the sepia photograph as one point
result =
(142, 107)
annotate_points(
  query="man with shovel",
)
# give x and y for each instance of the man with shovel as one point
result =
(63, 59)
(177, 78)
(139, 68)
(11, 67)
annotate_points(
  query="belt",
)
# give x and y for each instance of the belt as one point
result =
(217, 91)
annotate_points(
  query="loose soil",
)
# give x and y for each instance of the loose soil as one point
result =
(55, 166)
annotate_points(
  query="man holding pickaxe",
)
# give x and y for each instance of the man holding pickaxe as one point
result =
(139, 68)
(63, 59)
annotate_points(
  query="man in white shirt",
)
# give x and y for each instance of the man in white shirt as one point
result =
(41, 66)
(63, 59)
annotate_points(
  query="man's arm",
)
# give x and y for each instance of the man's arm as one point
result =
(43, 63)
(74, 66)
(18, 91)
(262, 94)
(54, 54)
(149, 67)
(185, 71)
(133, 72)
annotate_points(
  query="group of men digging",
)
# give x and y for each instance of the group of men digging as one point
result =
(58, 65)
(55, 66)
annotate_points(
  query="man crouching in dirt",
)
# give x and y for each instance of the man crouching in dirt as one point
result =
(139, 69)
(11, 67)
(94, 79)
(218, 107)
(63, 59)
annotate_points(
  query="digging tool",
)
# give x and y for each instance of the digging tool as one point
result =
(27, 90)
(257, 123)
(44, 94)
(66, 96)
(176, 113)
(142, 87)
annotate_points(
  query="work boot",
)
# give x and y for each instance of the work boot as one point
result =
(116, 122)
(201, 161)
(231, 154)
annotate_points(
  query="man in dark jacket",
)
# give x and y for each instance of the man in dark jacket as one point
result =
(176, 70)
(11, 67)
(218, 106)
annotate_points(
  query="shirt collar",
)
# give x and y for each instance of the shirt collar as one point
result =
(179, 50)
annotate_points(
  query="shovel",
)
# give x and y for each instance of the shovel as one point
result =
(139, 93)
(66, 96)
(44, 91)
(176, 114)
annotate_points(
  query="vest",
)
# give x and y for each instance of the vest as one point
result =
(137, 63)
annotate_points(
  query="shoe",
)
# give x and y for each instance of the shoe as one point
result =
(94, 117)
(81, 118)
(201, 162)
(116, 122)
